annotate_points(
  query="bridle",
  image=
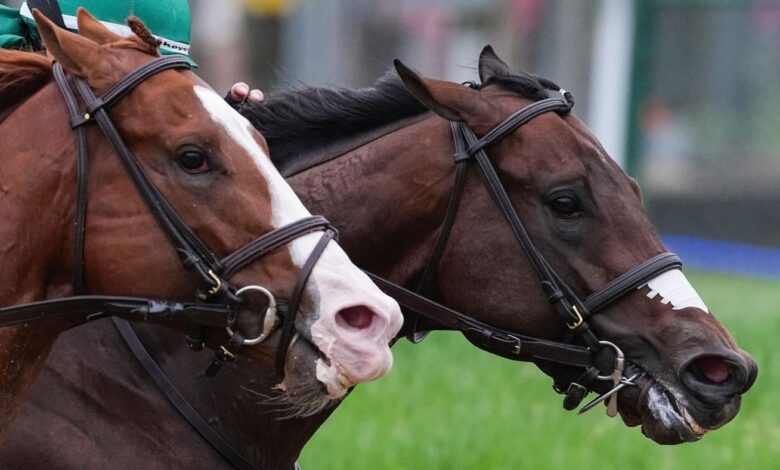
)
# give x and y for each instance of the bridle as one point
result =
(601, 360)
(217, 301)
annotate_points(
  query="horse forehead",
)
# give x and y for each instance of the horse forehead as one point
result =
(286, 207)
(564, 142)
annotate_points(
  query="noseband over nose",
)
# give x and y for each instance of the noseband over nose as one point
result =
(217, 300)
(574, 311)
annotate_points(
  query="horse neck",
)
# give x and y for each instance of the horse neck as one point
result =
(37, 184)
(398, 186)
(232, 402)
(415, 175)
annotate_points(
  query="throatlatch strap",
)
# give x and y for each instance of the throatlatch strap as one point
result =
(191, 249)
(177, 399)
(80, 217)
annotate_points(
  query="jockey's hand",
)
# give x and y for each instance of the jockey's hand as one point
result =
(240, 92)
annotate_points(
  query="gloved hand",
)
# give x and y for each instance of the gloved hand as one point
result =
(240, 92)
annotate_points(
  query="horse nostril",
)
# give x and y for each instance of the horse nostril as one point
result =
(714, 369)
(717, 378)
(358, 317)
(752, 375)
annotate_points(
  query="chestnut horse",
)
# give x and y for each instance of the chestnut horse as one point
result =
(381, 167)
(208, 165)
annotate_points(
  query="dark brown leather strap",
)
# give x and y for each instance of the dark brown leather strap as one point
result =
(469, 148)
(272, 241)
(495, 340)
(177, 400)
(632, 279)
(192, 251)
(80, 217)
(92, 307)
(288, 329)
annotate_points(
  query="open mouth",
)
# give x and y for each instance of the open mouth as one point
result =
(335, 381)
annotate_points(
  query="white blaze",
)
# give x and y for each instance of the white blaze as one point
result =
(672, 287)
(335, 283)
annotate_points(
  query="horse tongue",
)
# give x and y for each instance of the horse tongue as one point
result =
(714, 369)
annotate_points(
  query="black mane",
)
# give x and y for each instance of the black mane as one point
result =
(295, 122)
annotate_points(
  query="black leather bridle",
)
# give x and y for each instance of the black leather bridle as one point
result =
(217, 301)
(601, 360)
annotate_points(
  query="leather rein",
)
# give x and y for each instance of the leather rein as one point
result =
(217, 302)
(601, 360)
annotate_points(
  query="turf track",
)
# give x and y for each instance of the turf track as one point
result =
(447, 405)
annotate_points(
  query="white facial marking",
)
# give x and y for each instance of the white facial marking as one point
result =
(673, 288)
(335, 283)
(286, 207)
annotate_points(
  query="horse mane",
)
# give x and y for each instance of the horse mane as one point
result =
(299, 121)
(21, 74)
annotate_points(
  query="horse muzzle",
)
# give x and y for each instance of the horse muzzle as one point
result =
(706, 396)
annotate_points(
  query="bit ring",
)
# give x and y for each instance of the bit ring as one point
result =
(269, 317)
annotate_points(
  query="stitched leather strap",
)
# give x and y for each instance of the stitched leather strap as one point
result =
(178, 401)
(517, 119)
(272, 241)
(495, 340)
(288, 330)
(92, 307)
(191, 249)
(631, 280)
(80, 217)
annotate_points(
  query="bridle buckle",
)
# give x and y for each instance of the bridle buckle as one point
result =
(578, 322)
(217, 283)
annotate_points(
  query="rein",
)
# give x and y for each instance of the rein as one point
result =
(217, 301)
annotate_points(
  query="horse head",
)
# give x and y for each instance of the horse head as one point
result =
(212, 169)
(586, 218)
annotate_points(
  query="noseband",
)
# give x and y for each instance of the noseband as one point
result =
(601, 360)
(217, 301)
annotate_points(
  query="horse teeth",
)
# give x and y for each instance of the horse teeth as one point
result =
(343, 380)
(695, 427)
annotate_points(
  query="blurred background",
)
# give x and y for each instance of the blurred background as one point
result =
(684, 94)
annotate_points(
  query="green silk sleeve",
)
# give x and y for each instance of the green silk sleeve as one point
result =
(14, 33)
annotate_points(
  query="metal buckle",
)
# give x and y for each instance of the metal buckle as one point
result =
(269, 317)
(226, 355)
(217, 283)
(578, 322)
(574, 386)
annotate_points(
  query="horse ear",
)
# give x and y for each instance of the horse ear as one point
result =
(449, 100)
(74, 52)
(490, 65)
(91, 28)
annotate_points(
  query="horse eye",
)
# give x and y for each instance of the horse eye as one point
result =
(565, 207)
(194, 162)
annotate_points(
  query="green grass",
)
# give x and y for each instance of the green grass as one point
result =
(447, 405)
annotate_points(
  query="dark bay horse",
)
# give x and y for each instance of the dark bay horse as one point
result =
(211, 184)
(381, 167)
